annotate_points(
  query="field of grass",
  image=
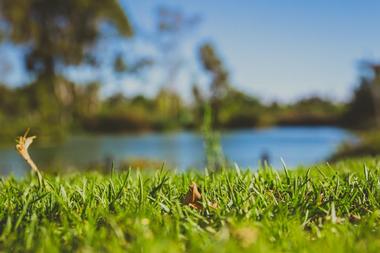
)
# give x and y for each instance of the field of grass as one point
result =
(321, 209)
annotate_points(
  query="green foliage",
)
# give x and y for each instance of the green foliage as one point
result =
(60, 32)
(368, 144)
(238, 110)
(310, 111)
(363, 111)
(121, 114)
(360, 112)
(53, 35)
(329, 209)
(51, 118)
(75, 108)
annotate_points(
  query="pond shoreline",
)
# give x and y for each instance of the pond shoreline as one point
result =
(184, 149)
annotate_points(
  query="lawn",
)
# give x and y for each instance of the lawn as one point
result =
(318, 209)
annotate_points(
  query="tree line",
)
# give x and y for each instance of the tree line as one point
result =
(57, 34)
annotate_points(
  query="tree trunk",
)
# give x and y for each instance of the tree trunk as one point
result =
(376, 102)
(376, 94)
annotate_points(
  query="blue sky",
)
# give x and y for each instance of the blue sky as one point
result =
(279, 49)
(283, 49)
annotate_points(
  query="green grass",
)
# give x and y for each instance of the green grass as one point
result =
(321, 209)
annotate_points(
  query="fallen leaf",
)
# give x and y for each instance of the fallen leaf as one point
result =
(354, 218)
(193, 198)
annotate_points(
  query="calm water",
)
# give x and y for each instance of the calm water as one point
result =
(295, 145)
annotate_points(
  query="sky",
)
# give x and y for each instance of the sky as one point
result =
(283, 49)
(278, 50)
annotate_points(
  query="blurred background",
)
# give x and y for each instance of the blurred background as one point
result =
(145, 83)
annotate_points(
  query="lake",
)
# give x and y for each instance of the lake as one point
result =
(294, 145)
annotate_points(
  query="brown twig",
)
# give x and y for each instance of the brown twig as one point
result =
(23, 143)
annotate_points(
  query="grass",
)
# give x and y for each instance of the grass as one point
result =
(324, 208)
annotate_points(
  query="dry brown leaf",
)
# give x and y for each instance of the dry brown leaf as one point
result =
(193, 198)
(354, 218)
(22, 146)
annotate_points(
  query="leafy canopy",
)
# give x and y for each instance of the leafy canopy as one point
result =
(60, 32)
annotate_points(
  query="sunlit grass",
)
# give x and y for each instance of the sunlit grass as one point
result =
(327, 208)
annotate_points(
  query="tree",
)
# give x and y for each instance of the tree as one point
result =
(361, 109)
(220, 78)
(199, 103)
(58, 33)
(55, 34)
(376, 92)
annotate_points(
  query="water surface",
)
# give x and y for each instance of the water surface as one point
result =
(295, 145)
